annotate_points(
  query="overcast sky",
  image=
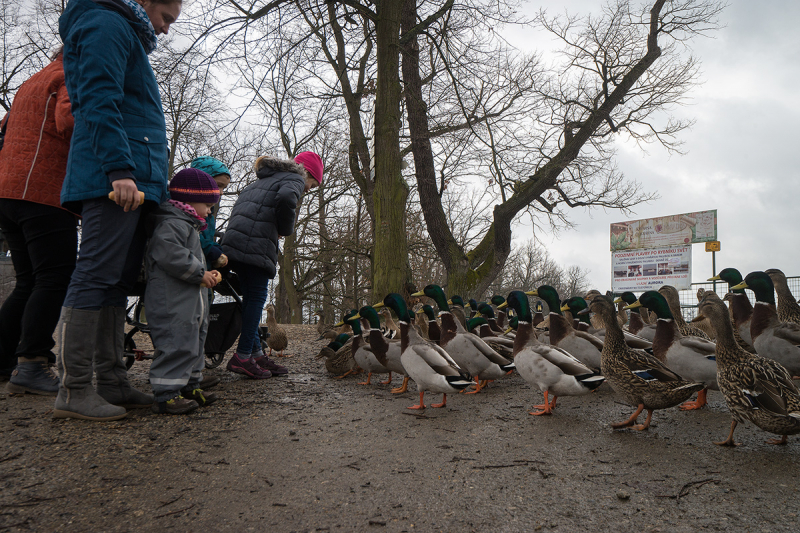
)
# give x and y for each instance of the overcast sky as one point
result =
(742, 154)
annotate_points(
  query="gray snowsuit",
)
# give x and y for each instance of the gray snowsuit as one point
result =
(176, 304)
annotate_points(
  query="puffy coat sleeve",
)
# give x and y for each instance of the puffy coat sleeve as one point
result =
(168, 251)
(99, 79)
(287, 198)
(64, 119)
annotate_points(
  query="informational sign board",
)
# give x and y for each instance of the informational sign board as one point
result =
(661, 232)
(644, 270)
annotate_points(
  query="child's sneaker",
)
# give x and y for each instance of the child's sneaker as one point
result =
(247, 367)
(208, 382)
(202, 398)
(268, 364)
(176, 406)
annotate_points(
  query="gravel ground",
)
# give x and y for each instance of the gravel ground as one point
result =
(308, 453)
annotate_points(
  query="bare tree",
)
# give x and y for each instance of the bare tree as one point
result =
(29, 34)
(615, 79)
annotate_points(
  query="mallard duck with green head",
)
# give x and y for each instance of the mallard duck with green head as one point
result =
(672, 296)
(338, 355)
(741, 310)
(456, 304)
(496, 300)
(583, 346)
(502, 345)
(487, 311)
(386, 351)
(772, 338)
(636, 323)
(429, 365)
(756, 389)
(576, 304)
(470, 352)
(362, 351)
(639, 377)
(551, 369)
(691, 357)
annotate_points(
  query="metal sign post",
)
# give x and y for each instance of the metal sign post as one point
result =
(713, 247)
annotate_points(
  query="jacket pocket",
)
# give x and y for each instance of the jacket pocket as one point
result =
(149, 153)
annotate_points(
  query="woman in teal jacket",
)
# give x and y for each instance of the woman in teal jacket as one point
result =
(118, 144)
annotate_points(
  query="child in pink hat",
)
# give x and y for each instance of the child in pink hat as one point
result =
(263, 213)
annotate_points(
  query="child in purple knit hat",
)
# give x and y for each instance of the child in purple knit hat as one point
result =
(176, 302)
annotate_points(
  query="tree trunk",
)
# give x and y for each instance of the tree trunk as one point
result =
(391, 271)
(288, 306)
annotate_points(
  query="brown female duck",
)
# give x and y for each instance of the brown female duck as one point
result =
(641, 379)
(755, 388)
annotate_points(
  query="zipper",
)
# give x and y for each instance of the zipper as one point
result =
(39, 144)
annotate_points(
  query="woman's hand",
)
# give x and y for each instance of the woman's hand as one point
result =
(126, 195)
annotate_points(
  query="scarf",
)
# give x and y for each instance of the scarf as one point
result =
(144, 30)
(186, 208)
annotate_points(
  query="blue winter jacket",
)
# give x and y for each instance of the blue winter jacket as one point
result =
(119, 123)
(212, 250)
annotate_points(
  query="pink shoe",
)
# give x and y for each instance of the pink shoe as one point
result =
(247, 367)
(271, 366)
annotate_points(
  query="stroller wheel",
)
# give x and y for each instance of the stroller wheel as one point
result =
(130, 349)
(213, 360)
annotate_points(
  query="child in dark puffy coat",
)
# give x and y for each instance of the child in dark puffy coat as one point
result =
(177, 303)
(264, 212)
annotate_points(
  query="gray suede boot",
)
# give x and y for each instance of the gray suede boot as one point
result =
(109, 362)
(77, 337)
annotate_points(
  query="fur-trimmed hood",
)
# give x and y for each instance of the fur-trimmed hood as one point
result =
(267, 166)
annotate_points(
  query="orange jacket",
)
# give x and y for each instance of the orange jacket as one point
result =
(33, 160)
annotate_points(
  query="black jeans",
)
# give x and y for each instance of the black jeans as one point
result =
(43, 241)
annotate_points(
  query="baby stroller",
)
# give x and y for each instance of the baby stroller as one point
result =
(224, 324)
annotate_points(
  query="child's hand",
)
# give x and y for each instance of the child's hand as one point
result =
(221, 261)
(211, 278)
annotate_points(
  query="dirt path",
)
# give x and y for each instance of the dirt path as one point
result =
(308, 453)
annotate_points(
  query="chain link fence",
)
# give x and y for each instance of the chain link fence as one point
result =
(689, 296)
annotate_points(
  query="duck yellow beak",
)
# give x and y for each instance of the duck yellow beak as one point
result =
(355, 317)
(449, 302)
(508, 330)
(503, 305)
(339, 324)
(565, 307)
(379, 305)
(420, 293)
(715, 278)
(634, 305)
(532, 293)
(742, 285)
(618, 300)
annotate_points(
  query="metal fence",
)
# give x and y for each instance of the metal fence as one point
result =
(689, 296)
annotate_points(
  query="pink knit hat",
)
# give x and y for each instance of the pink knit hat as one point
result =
(312, 163)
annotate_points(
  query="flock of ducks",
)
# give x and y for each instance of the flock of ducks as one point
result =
(657, 361)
